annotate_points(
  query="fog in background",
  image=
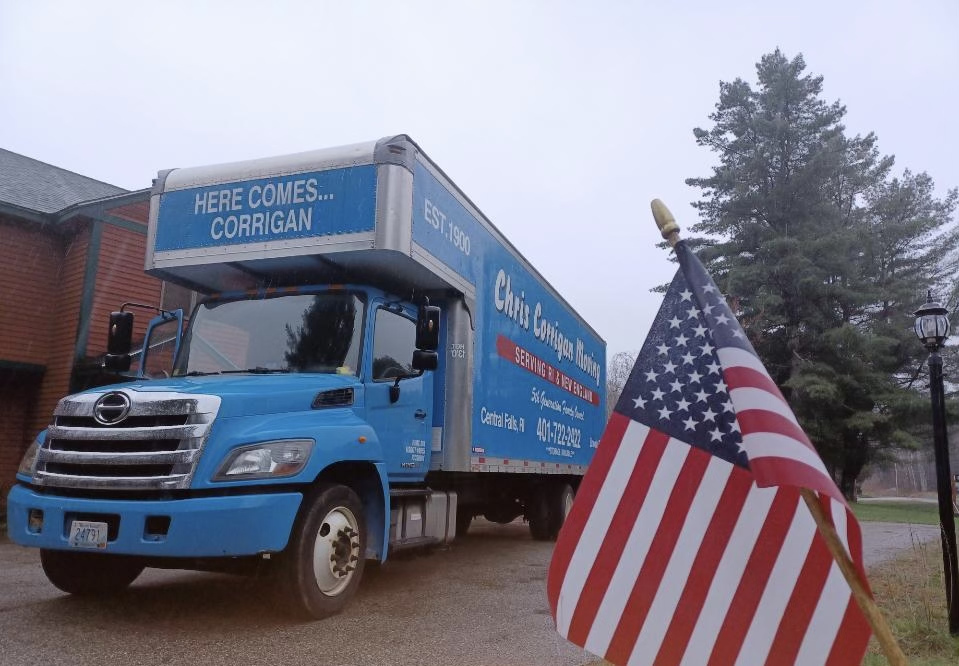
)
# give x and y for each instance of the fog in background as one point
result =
(560, 120)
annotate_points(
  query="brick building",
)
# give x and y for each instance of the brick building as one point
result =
(71, 251)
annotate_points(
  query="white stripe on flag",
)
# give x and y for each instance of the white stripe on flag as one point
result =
(597, 524)
(728, 575)
(637, 547)
(840, 522)
(784, 575)
(773, 445)
(704, 505)
(736, 357)
(748, 397)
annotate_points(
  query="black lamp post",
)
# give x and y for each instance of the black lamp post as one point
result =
(932, 327)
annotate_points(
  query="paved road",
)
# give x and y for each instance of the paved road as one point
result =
(481, 602)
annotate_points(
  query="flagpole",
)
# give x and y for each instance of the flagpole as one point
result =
(894, 655)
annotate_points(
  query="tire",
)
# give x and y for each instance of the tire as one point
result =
(503, 514)
(537, 515)
(321, 568)
(89, 574)
(548, 512)
(464, 517)
(562, 505)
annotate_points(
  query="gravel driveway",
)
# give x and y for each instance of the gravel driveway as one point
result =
(481, 602)
(886, 541)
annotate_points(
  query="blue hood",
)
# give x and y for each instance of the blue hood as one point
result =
(248, 395)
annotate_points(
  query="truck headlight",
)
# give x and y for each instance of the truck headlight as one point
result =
(284, 457)
(29, 461)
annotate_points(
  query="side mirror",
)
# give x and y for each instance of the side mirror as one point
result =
(120, 334)
(428, 328)
(119, 341)
(425, 360)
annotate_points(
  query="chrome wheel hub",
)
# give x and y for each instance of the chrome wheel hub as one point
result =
(336, 551)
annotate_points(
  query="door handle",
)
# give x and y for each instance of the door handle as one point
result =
(420, 413)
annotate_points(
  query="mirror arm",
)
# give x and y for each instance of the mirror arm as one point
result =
(155, 308)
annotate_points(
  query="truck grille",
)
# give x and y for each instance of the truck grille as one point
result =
(125, 440)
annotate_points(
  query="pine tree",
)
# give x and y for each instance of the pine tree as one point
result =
(823, 256)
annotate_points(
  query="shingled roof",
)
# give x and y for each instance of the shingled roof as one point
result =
(38, 187)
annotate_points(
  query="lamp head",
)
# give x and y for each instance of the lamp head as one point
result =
(932, 324)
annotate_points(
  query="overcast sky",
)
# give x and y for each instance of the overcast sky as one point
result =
(560, 120)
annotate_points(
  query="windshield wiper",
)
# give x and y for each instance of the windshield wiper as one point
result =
(258, 370)
(198, 373)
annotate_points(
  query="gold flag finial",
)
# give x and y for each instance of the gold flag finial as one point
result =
(665, 221)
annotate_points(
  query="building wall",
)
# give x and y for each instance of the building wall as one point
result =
(65, 308)
(30, 263)
(138, 212)
(120, 278)
(17, 406)
(58, 285)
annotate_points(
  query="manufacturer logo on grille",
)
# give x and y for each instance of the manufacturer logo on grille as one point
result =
(111, 408)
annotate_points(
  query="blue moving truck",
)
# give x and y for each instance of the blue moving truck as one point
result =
(371, 366)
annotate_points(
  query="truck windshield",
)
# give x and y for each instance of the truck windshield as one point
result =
(288, 333)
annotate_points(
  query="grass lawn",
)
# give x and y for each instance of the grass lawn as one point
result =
(918, 513)
(911, 595)
(910, 590)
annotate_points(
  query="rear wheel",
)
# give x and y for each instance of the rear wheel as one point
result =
(464, 517)
(564, 501)
(503, 512)
(89, 574)
(321, 568)
(550, 506)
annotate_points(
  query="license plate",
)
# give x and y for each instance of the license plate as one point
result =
(88, 534)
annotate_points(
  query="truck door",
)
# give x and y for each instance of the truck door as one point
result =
(400, 412)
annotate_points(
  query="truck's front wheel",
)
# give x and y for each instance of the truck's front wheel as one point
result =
(322, 566)
(89, 574)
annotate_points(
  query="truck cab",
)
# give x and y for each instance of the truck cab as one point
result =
(268, 390)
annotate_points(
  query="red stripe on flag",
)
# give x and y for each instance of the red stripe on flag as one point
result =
(742, 377)
(624, 519)
(802, 604)
(760, 420)
(773, 471)
(854, 539)
(660, 550)
(583, 506)
(710, 553)
(854, 631)
(755, 577)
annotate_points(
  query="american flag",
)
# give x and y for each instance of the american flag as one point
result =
(688, 542)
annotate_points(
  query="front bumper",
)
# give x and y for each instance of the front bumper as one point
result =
(195, 527)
